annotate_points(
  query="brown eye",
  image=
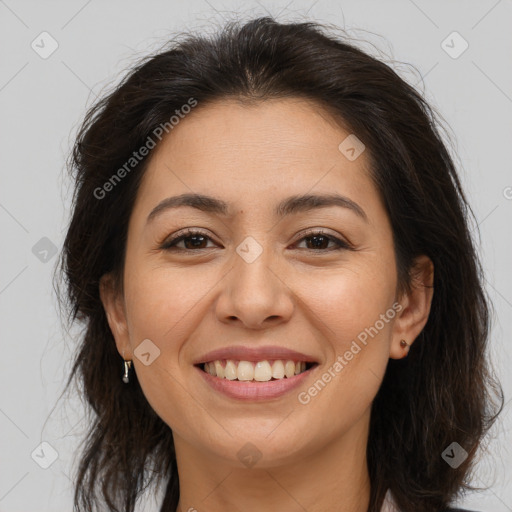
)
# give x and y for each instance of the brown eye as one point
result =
(320, 240)
(191, 240)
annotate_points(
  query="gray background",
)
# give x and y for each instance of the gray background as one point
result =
(44, 99)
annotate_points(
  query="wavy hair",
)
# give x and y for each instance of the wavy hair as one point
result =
(442, 392)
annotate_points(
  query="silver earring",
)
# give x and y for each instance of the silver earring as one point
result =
(127, 366)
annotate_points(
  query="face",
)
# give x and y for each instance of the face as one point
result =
(258, 276)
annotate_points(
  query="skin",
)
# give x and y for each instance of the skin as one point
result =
(314, 300)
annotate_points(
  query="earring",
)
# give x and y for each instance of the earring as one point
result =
(404, 344)
(127, 366)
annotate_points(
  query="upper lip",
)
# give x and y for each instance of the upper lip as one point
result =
(243, 353)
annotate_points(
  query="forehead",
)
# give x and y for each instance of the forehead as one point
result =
(287, 127)
(257, 151)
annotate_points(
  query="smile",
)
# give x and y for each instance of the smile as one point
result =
(255, 381)
(255, 371)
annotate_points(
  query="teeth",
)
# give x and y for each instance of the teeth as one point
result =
(289, 369)
(230, 370)
(219, 371)
(261, 371)
(278, 370)
(245, 370)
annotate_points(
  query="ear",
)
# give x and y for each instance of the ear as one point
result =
(416, 307)
(113, 304)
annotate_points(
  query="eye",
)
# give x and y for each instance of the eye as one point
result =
(192, 240)
(319, 239)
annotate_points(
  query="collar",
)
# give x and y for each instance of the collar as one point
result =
(389, 504)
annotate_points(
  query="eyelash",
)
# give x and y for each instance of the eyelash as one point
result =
(169, 245)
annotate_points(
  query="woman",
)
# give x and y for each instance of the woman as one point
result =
(283, 307)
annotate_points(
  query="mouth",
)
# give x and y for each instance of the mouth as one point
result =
(266, 370)
(242, 372)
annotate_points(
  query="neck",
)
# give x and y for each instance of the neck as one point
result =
(333, 477)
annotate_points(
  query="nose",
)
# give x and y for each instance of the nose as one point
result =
(255, 294)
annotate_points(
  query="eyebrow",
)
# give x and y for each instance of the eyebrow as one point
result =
(289, 206)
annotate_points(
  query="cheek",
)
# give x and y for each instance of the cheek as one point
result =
(354, 311)
(163, 308)
(357, 340)
(350, 300)
(162, 303)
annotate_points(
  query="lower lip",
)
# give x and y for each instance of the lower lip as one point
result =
(255, 391)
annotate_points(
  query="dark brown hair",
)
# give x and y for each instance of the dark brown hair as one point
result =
(441, 393)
